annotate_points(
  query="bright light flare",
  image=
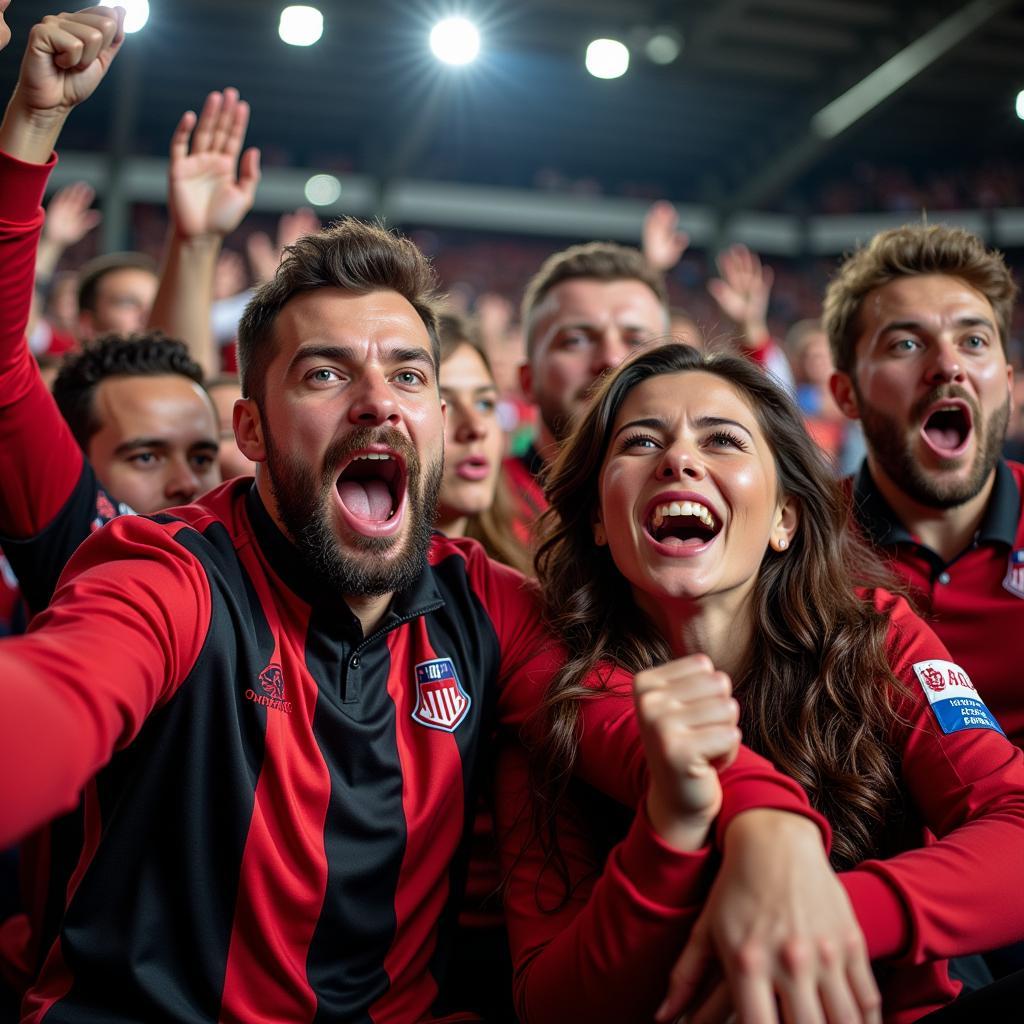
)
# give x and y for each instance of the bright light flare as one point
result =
(322, 190)
(300, 26)
(607, 58)
(136, 12)
(1020, 104)
(455, 41)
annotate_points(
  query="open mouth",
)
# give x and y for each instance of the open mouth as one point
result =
(682, 524)
(372, 487)
(947, 428)
(473, 468)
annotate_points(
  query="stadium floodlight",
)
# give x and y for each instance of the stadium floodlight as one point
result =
(455, 41)
(322, 190)
(300, 26)
(663, 47)
(607, 58)
(1020, 104)
(136, 12)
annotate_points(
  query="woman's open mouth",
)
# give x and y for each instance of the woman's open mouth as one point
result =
(947, 429)
(682, 524)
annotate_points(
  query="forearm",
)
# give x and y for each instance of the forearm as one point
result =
(184, 298)
(39, 459)
(29, 135)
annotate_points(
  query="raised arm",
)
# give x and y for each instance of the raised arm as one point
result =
(66, 59)
(209, 192)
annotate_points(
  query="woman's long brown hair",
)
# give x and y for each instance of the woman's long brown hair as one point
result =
(817, 696)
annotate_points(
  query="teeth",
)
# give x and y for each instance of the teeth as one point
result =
(374, 457)
(683, 508)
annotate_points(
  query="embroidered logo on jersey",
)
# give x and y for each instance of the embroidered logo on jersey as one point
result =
(1014, 581)
(954, 700)
(106, 510)
(271, 682)
(441, 702)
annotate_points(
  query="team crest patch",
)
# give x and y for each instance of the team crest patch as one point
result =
(441, 702)
(954, 700)
(1014, 581)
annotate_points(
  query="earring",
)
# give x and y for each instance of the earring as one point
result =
(781, 544)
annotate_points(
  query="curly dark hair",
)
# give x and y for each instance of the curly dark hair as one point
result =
(151, 354)
(818, 695)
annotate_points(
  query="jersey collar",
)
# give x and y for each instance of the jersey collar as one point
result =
(879, 521)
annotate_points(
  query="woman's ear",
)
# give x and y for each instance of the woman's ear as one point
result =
(600, 537)
(787, 520)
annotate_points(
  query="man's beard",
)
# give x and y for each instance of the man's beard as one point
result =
(304, 503)
(892, 451)
(557, 418)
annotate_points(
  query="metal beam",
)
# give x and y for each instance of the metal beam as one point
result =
(845, 110)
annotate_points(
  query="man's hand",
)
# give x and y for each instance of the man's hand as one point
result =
(663, 242)
(742, 292)
(66, 59)
(780, 925)
(263, 256)
(69, 215)
(687, 721)
(209, 191)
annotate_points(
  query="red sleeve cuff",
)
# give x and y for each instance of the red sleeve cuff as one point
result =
(23, 187)
(880, 913)
(774, 792)
(659, 874)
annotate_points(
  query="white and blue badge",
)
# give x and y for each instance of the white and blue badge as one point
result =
(1014, 581)
(441, 702)
(953, 698)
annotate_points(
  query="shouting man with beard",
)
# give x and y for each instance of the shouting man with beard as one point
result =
(918, 322)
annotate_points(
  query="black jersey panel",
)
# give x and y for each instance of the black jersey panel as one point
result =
(364, 829)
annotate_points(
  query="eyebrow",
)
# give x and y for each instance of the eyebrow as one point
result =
(161, 444)
(346, 354)
(701, 423)
(963, 321)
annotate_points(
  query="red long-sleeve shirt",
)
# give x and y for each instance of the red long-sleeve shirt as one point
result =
(605, 955)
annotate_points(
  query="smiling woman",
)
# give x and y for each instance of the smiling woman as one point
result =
(692, 518)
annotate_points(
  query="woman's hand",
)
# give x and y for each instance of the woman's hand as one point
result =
(781, 927)
(688, 725)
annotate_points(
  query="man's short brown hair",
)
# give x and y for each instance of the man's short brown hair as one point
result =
(909, 251)
(599, 261)
(93, 272)
(350, 255)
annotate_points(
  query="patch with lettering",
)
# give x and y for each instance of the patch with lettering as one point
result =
(953, 699)
(441, 701)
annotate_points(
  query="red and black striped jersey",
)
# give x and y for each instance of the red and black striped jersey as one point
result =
(277, 834)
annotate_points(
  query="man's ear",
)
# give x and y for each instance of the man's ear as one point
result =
(845, 395)
(248, 426)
